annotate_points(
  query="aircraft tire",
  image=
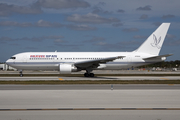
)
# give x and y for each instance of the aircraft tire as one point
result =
(86, 75)
(91, 74)
(21, 75)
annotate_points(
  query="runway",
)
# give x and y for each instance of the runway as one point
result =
(90, 115)
(92, 87)
(79, 102)
(93, 78)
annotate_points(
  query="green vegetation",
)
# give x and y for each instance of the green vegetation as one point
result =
(164, 64)
(94, 82)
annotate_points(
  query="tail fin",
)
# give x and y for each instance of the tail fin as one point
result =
(154, 42)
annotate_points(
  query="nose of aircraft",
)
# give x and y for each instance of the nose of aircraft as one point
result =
(8, 61)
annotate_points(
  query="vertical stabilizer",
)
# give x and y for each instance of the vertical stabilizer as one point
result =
(154, 42)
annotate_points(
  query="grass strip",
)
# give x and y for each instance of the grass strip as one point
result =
(81, 75)
(94, 82)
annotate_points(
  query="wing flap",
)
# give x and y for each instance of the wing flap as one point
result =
(95, 62)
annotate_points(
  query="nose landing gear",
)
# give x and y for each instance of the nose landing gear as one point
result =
(20, 73)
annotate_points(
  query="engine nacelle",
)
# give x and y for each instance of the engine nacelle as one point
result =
(67, 68)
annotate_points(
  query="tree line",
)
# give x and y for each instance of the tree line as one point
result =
(164, 64)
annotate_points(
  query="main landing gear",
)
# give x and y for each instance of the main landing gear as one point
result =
(88, 73)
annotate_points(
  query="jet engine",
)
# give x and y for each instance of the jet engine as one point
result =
(67, 68)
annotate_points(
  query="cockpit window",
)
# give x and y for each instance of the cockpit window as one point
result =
(13, 58)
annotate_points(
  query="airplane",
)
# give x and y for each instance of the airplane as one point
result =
(68, 62)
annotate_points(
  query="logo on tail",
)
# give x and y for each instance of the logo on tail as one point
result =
(156, 42)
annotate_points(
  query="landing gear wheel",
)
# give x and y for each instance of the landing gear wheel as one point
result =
(86, 75)
(91, 74)
(21, 74)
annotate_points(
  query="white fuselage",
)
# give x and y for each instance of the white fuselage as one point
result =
(52, 60)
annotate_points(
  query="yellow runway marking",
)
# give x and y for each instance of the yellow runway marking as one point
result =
(170, 84)
(60, 79)
(165, 78)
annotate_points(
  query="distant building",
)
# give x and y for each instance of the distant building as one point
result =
(1, 67)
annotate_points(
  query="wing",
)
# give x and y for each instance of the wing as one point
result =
(95, 63)
(157, 57)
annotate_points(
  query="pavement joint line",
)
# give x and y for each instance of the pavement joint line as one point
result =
(51, 109)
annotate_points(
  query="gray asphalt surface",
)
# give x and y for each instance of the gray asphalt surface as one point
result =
(37, 97)
(91, 115)
(126, 98)
(91, 87)
(94, 78)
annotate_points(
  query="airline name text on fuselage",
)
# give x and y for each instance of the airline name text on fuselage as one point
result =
(43, 56)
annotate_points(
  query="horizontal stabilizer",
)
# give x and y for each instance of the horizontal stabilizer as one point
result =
(157, 57)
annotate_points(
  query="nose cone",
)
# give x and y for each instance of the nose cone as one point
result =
(8, 61)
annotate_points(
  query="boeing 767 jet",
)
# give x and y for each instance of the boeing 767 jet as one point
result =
(68, 62)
